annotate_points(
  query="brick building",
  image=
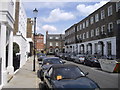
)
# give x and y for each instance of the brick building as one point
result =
(97, 33)
(39, 38)
(54, 43)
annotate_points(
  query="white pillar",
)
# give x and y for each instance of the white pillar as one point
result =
(10, 67)
(3, 53)
(105, 48)
(93, 48)
(85, 49)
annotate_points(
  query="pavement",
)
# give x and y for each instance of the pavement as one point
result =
(25, 77)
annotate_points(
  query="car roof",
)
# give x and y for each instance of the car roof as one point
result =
(50, 57)
(63, 65)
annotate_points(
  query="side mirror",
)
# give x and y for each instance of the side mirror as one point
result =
(46, 76)
(86, 73)
(63, 62)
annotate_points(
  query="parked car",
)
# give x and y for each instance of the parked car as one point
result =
(47, 62)
(79, 58)
(67, 76)
(92, 61)
(71, 56)
(65, 56)
(41, 56)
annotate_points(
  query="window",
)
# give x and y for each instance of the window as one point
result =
(83, 25)
(56, 37)
(102, 14)
(118, 6)
(92, 33)
(110, 27)
(118, 21)
(51, 37)
(96, 18)
(80, 27)
(87, 34)
(110, 10)
(109, 46)
(97, 31)
(83, 35)
(87, 23)
(102, 29)
(80, 36)
(50, 43)
(56, 43)
(50, 50)
(91, 20)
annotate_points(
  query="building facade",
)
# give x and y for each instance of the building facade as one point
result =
(54, 43)
(7, 13)
(96, 34)
(29, 37)
(20, 33)
(39, 38)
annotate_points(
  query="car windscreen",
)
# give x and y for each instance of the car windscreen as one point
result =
(68, 73)
(52, 61)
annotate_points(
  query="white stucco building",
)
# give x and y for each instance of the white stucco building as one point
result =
(20, 31)
(7, 13)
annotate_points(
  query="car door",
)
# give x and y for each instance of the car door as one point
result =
(48, 80)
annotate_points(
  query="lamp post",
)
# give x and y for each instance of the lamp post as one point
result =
(35, 11)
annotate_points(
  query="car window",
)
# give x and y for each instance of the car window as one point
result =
(68, 72)
(50, 72)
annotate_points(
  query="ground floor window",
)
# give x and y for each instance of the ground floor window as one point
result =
(51, 50)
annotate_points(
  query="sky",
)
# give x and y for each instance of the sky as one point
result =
(57, 16)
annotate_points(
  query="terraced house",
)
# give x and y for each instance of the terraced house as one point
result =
(54, 43)
(98, 33)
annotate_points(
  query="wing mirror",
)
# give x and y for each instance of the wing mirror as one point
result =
(46, 76)
(86, 73)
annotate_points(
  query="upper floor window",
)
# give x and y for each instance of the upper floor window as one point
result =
(80, 36)
(102, 14)
(118, 21)
(87, 23)
(92, 33)
(91, 20)
(117, 6)
(83, 25)
(51, 44)
(102, 29)
(96, 18)
(110, 10)
(51, 37)
(56, 43)
(80, 26)
(110, 27)
(56, 37)
(97, 31)
(83, 35)
(87, 34)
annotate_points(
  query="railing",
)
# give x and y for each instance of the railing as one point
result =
(0, 70)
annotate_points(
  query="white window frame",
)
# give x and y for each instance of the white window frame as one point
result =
(56, 37)
(97, 31)
(102, 30)
(109, 28)
(51, 37)
(87, 34)
(83, 25)
(87, 23)
(80, 26)
(102, 14)
(51, 44)
(92, 33)
(91, 20)
(117, 6)
(83, 35)
(110, 11)
(96, 17)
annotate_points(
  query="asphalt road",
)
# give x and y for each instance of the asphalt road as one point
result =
(104, 79)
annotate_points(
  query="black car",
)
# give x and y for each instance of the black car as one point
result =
(67, 76)
(41, 56)
(47, 62)
(92, 61)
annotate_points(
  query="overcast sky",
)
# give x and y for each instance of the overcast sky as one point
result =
(56, 17)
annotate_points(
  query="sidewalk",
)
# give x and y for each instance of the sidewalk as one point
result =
(25, 77)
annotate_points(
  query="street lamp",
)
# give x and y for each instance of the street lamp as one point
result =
(35, 11)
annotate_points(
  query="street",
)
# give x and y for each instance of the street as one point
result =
(104, 79)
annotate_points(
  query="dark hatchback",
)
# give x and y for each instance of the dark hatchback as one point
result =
(46, 63)
(92, 61)
(67, 76)
(41, 56)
